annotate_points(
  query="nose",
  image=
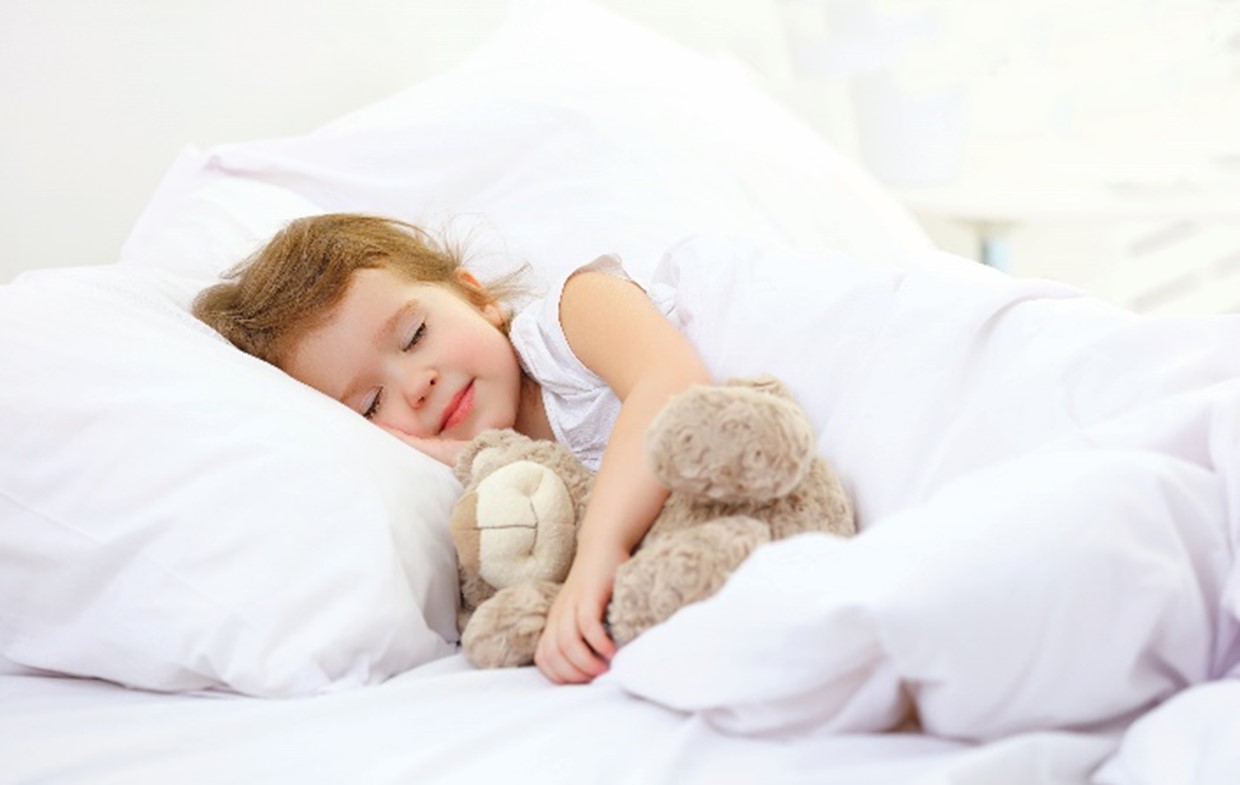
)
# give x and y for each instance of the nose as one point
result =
(417, 386)
(408, 393)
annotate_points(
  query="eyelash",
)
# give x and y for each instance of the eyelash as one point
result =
(417, 336)
(373, 408)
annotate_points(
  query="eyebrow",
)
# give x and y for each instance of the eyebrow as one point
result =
(388, 327)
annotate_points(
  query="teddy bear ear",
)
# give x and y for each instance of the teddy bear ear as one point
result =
(485, 453)
(764, 383)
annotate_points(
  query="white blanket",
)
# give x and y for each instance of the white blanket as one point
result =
(1048, 492)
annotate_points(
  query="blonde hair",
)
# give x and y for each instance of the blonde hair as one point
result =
(291, 285)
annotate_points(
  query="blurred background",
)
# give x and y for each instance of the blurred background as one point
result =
(1091, 141)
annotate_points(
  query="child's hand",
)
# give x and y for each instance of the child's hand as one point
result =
(574, 647)
(446, 451)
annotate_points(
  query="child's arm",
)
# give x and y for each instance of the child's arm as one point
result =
(615, 331)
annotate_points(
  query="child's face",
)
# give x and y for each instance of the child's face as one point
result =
(415, 358)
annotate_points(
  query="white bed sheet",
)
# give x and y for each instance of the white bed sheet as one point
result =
(445, 723)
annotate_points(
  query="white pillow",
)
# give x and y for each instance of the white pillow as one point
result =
(202, 221)
(178, 515)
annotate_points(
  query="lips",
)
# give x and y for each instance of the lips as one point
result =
(458, 408)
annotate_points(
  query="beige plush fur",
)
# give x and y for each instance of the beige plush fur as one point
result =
(742, 465)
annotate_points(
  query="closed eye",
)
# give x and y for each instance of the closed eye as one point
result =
(417, 336)
(372, 408)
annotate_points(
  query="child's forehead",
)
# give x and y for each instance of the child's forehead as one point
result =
(384, 283)
(393, 288)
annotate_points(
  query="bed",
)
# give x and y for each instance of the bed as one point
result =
(211, 573)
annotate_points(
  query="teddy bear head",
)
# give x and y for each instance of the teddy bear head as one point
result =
(739, 443)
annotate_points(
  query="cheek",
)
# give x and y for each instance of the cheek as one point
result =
(495, 350)
(311, 364)
(508, 386)
(513, 366)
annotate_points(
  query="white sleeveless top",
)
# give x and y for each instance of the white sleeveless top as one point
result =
(580, 406)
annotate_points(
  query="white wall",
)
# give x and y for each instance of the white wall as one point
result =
(100, 95)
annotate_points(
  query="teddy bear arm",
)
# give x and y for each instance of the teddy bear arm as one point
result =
(503, 632)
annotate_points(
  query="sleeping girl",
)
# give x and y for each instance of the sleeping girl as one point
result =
(380, 316)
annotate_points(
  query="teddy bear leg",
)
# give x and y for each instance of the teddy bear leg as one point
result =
(504, 631)
(676, 569)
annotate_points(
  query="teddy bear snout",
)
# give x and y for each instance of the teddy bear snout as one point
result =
(526, 525)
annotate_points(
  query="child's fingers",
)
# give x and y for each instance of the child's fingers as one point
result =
(445, 451)
(596, 637)
(562, 671)
(575, 652)
(558, 665)
(563, 655)
(578, 663)
(575, 647)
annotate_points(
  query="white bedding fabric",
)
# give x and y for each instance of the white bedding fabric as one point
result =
(446, 724)
(1047, 488)
(1046, 574)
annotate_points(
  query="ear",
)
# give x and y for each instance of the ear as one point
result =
(480, 297)
(494, 313)
(466, 279)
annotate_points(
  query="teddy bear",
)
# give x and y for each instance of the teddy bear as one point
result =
(742, 465)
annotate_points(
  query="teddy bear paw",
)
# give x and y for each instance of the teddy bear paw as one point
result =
(504, 631)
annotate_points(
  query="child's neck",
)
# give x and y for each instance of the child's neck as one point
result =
(531, 414)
